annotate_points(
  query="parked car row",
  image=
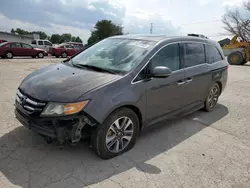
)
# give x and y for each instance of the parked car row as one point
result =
(38, 48)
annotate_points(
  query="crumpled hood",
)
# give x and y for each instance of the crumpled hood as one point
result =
(62, 83)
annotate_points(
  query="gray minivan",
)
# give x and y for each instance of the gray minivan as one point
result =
(114, 89)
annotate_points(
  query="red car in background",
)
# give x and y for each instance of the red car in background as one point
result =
(11, 49)
(1, 41)
(77, 45)
(64, 50)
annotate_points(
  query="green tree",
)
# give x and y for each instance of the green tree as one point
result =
(55, 38)
(66, 37)
(78, 39)
(21, 31)
(73, 38)
(104, 29)
(12, 31)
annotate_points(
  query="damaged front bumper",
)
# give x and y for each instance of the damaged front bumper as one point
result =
(62, 129)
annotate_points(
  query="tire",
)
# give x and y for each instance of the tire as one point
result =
(236, 58)
(57, 56)
(40, 55)
(212, 98)
(33, 56)
(105, 132)
(64, 55)
(9, 55)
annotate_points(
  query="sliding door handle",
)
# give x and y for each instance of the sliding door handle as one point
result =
(181, 82)
(189, 80)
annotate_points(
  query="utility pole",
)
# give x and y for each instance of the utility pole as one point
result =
(151, 28)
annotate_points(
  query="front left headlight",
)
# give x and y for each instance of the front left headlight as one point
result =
(58, 109)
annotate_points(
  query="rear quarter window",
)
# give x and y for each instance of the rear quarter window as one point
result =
(213, 54)
(194, 54)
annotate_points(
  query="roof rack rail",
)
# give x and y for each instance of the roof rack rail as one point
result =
(197, 35)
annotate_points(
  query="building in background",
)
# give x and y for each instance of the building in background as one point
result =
(18, 38)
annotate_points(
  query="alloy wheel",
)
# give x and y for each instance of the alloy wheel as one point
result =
(119, 134)
(9, 55)
(213, 96)
(40, 55)
(64, 55)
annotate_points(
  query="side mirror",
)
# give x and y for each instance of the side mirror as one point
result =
(161, 72)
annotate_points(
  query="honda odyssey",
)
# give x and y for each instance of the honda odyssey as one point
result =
(117, 87)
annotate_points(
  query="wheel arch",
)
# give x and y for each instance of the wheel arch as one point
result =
(134, 108)
(9, 51)
(220, 85)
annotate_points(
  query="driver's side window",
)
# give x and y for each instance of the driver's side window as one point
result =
(168, 56)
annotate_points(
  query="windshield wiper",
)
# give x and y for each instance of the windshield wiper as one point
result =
(99, 69)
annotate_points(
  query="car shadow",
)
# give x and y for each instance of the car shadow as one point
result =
(27, 161)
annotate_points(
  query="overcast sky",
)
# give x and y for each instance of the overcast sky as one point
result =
(172, 17)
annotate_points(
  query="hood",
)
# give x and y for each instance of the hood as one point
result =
(63, 83)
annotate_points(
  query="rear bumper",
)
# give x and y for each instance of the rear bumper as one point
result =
(61, 130)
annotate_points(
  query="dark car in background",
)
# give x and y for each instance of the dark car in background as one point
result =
(114, 89)
(11, 49)
(64, 50)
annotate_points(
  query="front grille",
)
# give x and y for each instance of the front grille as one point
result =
(31, 106)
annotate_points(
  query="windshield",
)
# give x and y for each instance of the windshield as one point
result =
(1, 44)
(117, 55)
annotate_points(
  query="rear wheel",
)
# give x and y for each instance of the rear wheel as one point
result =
(40, 55)
(212, 98)
(64, 54)
(9, 55)
(236, 58)
(117, 134)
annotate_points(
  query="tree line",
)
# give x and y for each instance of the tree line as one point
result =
(54, 38)
(101, 30)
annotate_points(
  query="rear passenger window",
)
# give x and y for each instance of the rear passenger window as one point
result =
(194, 54)
(15, 45)
(47, 43)
(168, 56)
(40, 42)
(213, 54)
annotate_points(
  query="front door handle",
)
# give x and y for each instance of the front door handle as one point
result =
(181, 82)
(189, 80)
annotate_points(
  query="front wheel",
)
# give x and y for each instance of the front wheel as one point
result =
(117, 134)
(212, 98)
(40, 55)
(9, 55)
(64, 55)
(236, 58)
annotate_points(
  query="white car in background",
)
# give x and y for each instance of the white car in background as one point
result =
(43, 44)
